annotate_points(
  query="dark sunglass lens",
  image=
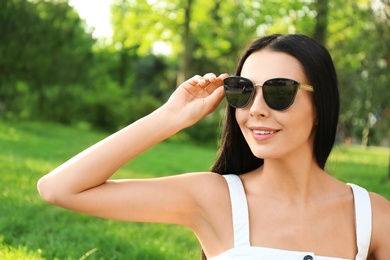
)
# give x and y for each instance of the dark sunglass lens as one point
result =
(238, 91)
(279, 94)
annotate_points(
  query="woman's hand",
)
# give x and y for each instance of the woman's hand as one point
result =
(196, 98)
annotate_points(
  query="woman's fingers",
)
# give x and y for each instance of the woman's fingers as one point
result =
(215, 82)
(202, 85)
(210, 77)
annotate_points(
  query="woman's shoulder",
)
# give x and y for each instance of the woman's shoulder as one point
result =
(380, 209)
(379, 201)
(380, 226)
(205, 186)
(211, 193)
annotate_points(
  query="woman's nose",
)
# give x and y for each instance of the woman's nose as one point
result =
(258, 107)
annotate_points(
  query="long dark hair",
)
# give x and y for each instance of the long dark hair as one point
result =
(234, 155)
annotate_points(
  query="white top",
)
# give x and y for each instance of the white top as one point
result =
(242, 249)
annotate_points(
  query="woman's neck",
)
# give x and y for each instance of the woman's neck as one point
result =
(297, 180)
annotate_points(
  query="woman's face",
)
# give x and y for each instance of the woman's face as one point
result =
(273, 134)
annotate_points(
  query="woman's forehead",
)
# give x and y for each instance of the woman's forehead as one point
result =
(266, 64)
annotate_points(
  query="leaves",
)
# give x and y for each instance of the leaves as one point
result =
(46, 48)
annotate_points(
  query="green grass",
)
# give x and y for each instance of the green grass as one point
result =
(367, 167)
(32, 229)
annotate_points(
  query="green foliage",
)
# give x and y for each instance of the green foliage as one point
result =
(207, 130)
(52, 68)
(358, 40)
(32, 229)
(43, 44)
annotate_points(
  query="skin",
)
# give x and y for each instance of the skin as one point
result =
(289, 191)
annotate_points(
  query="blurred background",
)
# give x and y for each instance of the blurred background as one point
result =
(123, 58)
(70, 72)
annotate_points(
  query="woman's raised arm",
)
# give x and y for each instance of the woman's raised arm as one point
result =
(81, 184)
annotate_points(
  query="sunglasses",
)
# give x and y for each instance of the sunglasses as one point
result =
(279, 94)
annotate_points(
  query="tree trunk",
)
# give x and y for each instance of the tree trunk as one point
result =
(321, 21)
(185, 63)
(123, 67)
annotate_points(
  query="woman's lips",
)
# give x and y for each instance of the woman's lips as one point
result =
(262, 134)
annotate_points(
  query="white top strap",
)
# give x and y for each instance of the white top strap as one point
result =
(239, 210)
(363, 220)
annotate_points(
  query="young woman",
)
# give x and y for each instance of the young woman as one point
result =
(267, 195)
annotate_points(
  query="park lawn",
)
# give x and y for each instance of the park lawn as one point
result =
(32, 229)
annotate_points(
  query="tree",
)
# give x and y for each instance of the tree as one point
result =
(45, 49)
(321, 21)
(358, 41)
(185, 63)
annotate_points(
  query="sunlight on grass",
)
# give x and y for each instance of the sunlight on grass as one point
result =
(32, 229)
(11, 253)
(367, 167)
